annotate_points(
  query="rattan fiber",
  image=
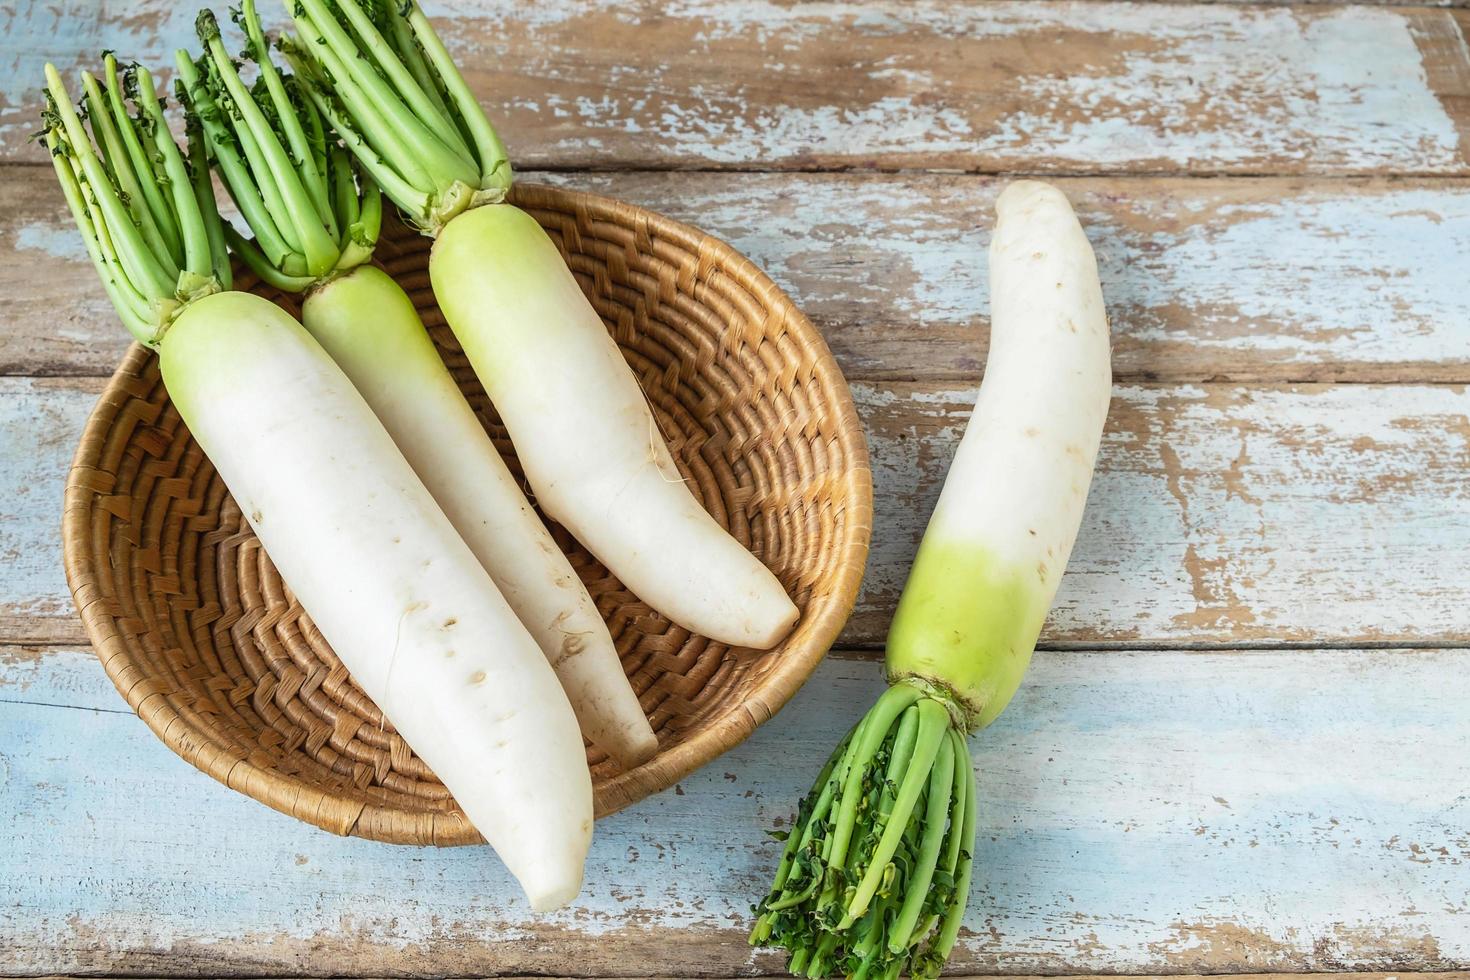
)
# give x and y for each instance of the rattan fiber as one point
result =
(201, 637)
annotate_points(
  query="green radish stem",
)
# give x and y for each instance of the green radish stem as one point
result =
(896, 809)
(381, 75)
(147, 281)
(311, 217)
(877, 867)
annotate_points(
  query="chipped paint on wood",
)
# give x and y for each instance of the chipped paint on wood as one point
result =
(1446, 55)
(40, 425)
(1156, 812)
(56, 319)
(1219, 514)
(1162, 812)
(1249, 279)
(941, 83)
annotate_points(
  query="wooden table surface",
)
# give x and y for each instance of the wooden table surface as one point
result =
(1245, 745)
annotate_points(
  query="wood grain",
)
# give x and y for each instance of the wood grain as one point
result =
(1220, 514)
(1051, 86)
(1291, 279)
(1143, 812)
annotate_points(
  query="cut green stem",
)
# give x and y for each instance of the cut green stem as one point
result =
(148, 275)
(394, 103)
(916, 889)
(141, 175)
(933, 724)
(866, 882)
(313, 218)
(383, 79)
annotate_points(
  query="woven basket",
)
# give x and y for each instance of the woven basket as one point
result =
(201, 637)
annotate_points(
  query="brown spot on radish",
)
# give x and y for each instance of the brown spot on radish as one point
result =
(1031, 432)
(449, 623)
(478, 677)
(571, 645)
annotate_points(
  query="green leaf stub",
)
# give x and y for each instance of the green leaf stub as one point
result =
(312, 214)
(380, 74)
(875, 874)
(145, 211)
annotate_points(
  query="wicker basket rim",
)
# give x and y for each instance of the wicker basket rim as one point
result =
(715, 736)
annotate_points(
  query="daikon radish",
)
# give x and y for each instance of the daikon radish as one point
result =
(360, 541)
(876, 870)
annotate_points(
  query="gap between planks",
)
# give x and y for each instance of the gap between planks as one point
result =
(878, 169)
(37, 650)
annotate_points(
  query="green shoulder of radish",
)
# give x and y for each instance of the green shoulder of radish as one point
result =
(355, 534)
(582, 428)
(315, 217)
(876, 870)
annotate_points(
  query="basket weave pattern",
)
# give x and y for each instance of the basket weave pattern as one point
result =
(202, 638)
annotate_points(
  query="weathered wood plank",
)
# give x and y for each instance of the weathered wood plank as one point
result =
(940, 84)
(1234, 279)
(1143, 812)
(40, 425)
(1220, 514)
(1227, 279)
(1441, 39)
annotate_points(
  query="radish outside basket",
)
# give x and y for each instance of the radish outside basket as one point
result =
(201, 637)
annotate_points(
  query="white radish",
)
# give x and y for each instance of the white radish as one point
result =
(879, 889)
(584, 433)
(371, 329)
(388, 581)
(353, 531)
(1000, 535)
